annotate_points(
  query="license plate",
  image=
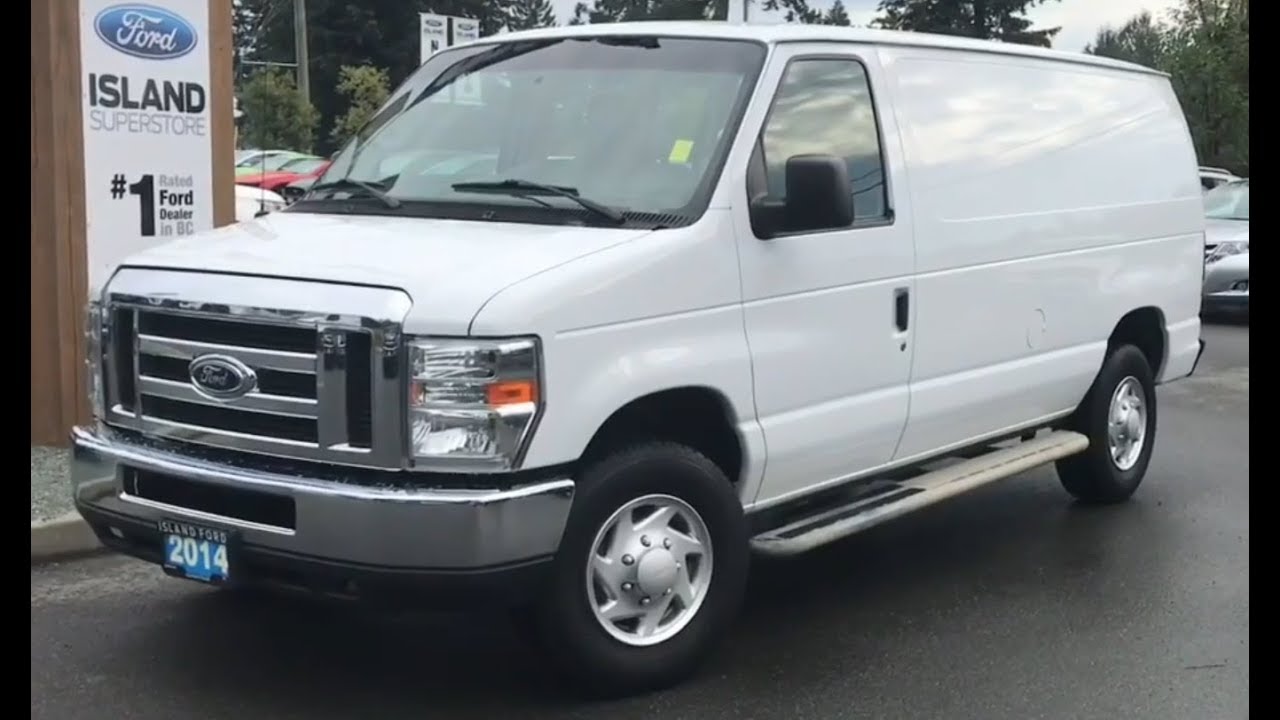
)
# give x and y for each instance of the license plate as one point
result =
(196, 552)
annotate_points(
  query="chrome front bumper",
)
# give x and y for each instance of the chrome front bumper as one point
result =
(393, 529)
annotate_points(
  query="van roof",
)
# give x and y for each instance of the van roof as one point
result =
(799, 32)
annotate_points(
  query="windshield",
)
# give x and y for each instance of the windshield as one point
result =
(1229, 201)
(640, 124)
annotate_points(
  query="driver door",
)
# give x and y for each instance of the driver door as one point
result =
(828, 312)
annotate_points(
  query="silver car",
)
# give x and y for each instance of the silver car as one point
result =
(1226, 249)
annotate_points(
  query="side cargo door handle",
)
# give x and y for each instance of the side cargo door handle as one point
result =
(901, 308)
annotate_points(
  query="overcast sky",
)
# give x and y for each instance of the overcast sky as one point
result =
(1079, 19)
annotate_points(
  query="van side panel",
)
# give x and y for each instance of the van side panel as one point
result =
(1049, 200)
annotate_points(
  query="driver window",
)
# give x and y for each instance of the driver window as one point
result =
(825, 106)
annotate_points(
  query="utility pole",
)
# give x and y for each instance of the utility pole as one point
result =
(300, 48)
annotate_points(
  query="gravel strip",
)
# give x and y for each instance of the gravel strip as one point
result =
(50, 483)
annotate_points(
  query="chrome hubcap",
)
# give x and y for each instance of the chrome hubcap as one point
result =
(1127, 423)
(649, 569)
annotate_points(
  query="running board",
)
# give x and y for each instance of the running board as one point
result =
(832, 524)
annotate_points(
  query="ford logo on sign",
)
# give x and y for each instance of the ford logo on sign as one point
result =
(145, 31)
(221, 377)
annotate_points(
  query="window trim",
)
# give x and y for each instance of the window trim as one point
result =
(756, 164)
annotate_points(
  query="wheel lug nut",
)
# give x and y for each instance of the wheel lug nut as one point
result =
(628, 560)
(667, 591)
(645, 601)
(628, 587)
(666, 543)
(644, 540)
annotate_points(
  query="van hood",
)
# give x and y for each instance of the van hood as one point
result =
(449, 267)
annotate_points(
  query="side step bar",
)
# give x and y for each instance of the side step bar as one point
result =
(833, 524)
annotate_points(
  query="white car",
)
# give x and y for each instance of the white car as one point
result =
(253, 202)
(1211, 177)
(1226, 211)
(724, 289)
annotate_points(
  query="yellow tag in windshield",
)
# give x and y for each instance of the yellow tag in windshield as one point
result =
(680, 152)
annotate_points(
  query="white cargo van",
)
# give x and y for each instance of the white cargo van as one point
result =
(586, 315)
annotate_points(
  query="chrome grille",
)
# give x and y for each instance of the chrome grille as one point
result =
(329, 386)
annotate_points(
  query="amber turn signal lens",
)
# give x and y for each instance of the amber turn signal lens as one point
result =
(511, 393)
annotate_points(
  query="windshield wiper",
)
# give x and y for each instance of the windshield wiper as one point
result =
(370, 189)
(528, 188)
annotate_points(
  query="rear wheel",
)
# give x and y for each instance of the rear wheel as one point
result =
(650, 572)
(1119, 417)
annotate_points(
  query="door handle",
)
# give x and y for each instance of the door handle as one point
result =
(901, 308)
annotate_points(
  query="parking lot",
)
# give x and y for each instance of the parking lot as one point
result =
(1009, 602)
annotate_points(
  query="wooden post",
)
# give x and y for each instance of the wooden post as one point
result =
(59, 260)
(222, 124)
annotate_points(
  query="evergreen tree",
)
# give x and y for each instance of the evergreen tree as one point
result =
(529, 14)
(837, 15)
(1004, 20)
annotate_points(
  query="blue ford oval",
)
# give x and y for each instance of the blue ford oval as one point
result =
(145, 31)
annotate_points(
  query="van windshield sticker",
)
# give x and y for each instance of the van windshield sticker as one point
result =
(680, 152)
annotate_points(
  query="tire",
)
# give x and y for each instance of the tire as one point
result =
(1096, 476)
(593, 656)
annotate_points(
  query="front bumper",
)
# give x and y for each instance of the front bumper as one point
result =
(304, 531)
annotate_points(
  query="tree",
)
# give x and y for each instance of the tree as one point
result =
(1003, 20)
(529, 14)
(1208, 62)
(381, 33)
(1141, 40)
(796, 10)
(1204, 47)
(607, 11)
(837, 15)
(275, 115)
(366, 89)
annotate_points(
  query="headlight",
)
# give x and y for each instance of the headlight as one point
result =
(1226, 249)
(94, 330)
(472, 402)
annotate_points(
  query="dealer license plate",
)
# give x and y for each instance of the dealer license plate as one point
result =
(196, 552)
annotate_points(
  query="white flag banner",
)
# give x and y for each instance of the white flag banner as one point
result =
(466, 30)
(434, 35)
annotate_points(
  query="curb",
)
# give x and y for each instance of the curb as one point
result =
(62, 537)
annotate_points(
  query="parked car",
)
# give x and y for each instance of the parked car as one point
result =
(294, 170)
(1226, 286)
(296, 189)
(252, 202)
(1226, 211)
(1211, 177)
(267, 160)
(732, 288)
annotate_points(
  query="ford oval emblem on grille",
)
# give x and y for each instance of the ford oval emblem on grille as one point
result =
(221, 377)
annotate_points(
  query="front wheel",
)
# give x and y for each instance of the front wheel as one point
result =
(651, 570)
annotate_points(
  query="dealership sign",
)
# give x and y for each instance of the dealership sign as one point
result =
(148, 157)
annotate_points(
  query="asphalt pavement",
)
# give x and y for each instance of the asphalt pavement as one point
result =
(1009, 602)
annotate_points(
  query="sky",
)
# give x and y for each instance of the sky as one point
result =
(1079, 19)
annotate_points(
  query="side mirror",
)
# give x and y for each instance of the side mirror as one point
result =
(819, 197)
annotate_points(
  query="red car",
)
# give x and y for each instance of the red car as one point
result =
(275, 180)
